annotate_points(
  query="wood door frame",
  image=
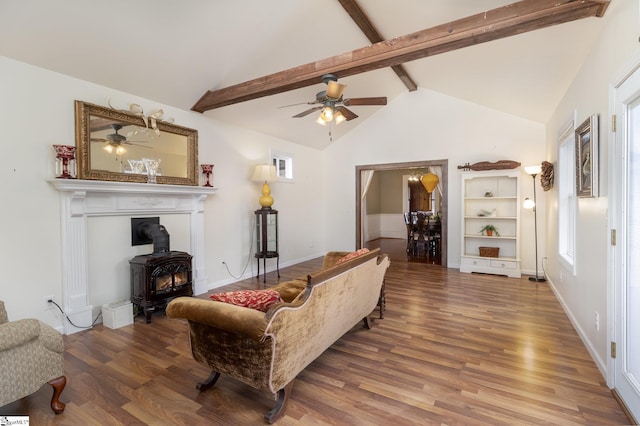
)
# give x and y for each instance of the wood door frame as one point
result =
(444, 164)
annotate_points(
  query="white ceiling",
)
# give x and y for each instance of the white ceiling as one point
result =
(171, 52)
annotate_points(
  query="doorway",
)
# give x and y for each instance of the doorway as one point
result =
(363, 178)
(624, 364)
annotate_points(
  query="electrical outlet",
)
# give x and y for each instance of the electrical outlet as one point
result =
(45, 302)
(596, 321)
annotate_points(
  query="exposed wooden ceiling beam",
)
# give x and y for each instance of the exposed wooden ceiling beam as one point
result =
(516, 18)
(368, 29)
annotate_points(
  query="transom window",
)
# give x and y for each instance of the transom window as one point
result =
(284, 165)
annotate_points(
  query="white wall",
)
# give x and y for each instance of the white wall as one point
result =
(37, 111)
(426, 125)
(586, 293)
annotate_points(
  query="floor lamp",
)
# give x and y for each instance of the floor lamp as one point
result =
(529, 204)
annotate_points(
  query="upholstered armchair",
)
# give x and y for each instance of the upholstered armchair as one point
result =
(31, 354)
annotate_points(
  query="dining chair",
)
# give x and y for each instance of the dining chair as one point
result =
(409, 226)
(433, 236)
(419, 242)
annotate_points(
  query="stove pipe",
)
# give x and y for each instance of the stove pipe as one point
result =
(159, 235)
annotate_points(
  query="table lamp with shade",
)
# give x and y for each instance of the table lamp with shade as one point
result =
(265, 173)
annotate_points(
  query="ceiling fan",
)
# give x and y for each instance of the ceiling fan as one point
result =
(332, 105)
(115, 141)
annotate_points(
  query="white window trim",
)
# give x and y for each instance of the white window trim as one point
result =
(280, 156)
(566, 140)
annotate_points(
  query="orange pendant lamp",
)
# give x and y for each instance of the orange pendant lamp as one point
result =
(429, 181)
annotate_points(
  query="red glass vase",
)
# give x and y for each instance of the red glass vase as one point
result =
(65, 161)
(207, 169)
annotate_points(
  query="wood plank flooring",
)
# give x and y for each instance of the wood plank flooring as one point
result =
(453, 349)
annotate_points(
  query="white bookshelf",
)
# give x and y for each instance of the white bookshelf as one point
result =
(491, 198)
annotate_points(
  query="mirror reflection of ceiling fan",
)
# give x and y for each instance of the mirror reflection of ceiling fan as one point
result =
(114, 142)
(332, 105)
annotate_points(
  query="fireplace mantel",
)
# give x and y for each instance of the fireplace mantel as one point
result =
(77, 185)
(80, 199)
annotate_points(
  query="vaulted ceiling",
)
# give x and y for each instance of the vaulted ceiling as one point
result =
(175, 52)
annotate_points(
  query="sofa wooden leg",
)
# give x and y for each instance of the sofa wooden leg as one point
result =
(367, 322)
(58, 386)
(281, 404)
(211, 380)
(382, 300)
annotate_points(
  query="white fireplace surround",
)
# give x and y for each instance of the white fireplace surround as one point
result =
(80, 199)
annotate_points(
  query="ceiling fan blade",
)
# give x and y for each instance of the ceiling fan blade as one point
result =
(98, 140)
(136, 144)
(348, 114)
(307, 112)
(299, 103)
(334, 90)
(381, 100)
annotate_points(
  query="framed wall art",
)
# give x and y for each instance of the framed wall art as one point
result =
(587, 158)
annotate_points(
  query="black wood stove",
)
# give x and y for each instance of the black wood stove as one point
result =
(160, 276)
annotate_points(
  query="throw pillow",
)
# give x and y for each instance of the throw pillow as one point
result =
(352, 255)
(289, 290)
(261, 300)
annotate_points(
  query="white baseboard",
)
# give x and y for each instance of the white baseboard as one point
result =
(600, 363)
(271, 267)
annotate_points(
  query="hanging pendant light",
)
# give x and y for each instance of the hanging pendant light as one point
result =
(429, 181)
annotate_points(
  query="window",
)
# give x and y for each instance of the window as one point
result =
(567, 203)
(284, 165)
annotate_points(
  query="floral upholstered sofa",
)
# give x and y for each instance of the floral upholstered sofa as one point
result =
(267, 350)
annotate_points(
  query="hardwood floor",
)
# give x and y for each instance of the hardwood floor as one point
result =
(396, 248)
(452, 349)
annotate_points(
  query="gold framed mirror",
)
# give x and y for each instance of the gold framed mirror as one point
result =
(113, 145)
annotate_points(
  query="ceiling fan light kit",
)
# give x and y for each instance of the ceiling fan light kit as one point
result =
(119, 149)
(338, 117)
(327, 113)
(333, 106)
(114, 142)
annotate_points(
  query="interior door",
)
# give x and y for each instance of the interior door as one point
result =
(625, 219)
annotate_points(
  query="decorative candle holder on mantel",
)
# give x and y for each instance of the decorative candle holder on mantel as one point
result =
(65, 161)
(207, 169)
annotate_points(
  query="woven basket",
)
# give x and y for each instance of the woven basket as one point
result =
(489, 251)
